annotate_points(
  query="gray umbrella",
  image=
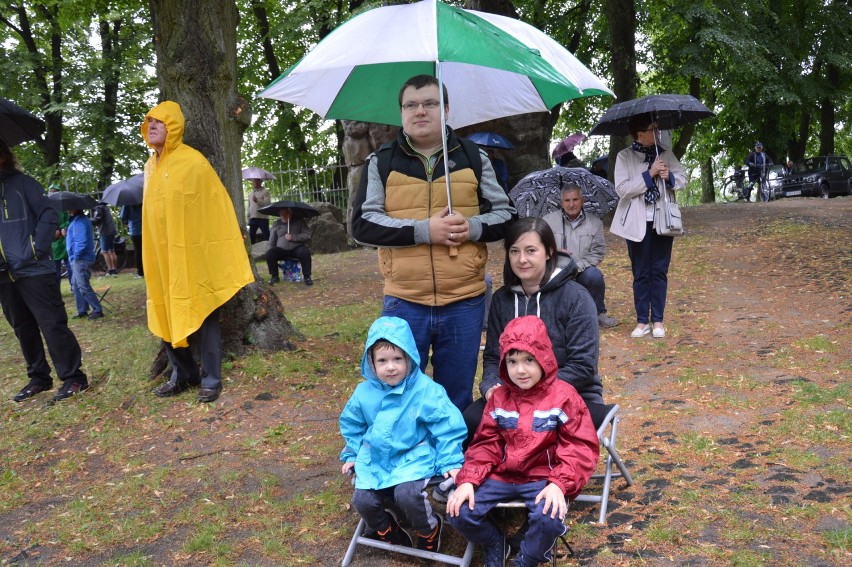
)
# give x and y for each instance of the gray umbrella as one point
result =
(68, 201)
(18, 125)
(667, 110)
(125, 192)
(540, 192)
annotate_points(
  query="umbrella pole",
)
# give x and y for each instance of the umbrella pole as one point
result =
(453, 250)
(444, 134)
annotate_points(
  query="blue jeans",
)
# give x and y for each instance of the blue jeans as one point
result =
(478, 526)
(593, 280)
(453, 332)
(84, 295)
(650, 261)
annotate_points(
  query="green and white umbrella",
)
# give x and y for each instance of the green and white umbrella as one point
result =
(493, 66)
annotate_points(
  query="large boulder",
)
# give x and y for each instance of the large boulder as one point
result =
(328, 230)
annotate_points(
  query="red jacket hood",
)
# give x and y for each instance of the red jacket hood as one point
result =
(528, 334)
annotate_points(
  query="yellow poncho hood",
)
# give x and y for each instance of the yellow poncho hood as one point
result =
(194, 256)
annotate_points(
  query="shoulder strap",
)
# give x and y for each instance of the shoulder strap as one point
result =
(471, 150)
(386, 151)
(384, 157)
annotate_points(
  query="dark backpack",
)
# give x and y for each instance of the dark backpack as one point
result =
(98, 214)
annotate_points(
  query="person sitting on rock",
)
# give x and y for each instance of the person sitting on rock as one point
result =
(287, 239)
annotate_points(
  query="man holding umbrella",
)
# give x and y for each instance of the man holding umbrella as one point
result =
(288, 239)
(433, 262)
(29, 291)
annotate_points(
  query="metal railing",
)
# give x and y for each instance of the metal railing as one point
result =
(318, 183)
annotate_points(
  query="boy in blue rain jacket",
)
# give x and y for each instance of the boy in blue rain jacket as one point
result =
(400, 430)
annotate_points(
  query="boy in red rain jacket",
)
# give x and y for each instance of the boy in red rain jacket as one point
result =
(536, 443)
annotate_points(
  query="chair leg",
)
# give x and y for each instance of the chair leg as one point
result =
(353, 545)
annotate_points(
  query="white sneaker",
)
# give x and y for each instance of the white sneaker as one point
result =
(640, 331)
(659, 332)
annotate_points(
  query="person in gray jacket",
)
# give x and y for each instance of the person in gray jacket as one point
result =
(287, 239)
(29, 291)
(581, 236)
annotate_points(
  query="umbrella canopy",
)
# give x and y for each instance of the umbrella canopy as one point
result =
(568, 144)
(493, 66)
(668, 110)
(18, 125)
(68, 201)
(256, 173)
(300, 210)
(540, 192)
(125, 192)
(490, 140)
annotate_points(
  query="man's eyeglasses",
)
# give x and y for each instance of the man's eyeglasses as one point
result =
(427, 105)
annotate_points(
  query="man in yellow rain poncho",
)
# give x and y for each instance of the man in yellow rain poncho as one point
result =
(193, 253)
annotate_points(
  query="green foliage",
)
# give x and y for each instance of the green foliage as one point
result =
(768, 69)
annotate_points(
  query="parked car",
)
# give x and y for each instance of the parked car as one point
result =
(824, 176)
(775, 176)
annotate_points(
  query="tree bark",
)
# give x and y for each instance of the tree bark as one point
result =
(111, 54)
(196, 50)
(827, 113)
(621, 18)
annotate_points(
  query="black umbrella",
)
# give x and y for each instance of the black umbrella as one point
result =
(18, 125)
(300, 210)
(68, 201)
(540, 192)
(125, 192)
(667, 110)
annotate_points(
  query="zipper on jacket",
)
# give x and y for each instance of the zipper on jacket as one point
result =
(626, 211)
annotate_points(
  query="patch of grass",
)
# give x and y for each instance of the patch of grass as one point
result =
(819, 343)
(347, 323)
(839, 539)
(697, 442)
(207, 538)
(133, 559)
(747, 558)
(820, 394)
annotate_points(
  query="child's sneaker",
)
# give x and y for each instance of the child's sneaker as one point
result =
(432, 541)
(393, 535)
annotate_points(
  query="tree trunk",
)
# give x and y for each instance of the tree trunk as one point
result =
(197, 67)
(708, 190)
(827, 113)
(111, 54)
(621, 18)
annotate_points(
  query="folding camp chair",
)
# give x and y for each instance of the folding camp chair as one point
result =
(608, 435)
(102, 292)
(359, 539)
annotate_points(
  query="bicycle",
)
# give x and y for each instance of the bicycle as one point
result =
(764, 191)
(734, 186)
(121, 253)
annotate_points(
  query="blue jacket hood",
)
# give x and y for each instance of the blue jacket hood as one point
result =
(396, 331)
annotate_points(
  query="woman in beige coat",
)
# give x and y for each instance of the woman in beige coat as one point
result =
(640, 171)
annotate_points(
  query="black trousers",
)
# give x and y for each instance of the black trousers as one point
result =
(208, 341)
(137, 251)
(258, 226)
(300, 253)
(33, 307)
